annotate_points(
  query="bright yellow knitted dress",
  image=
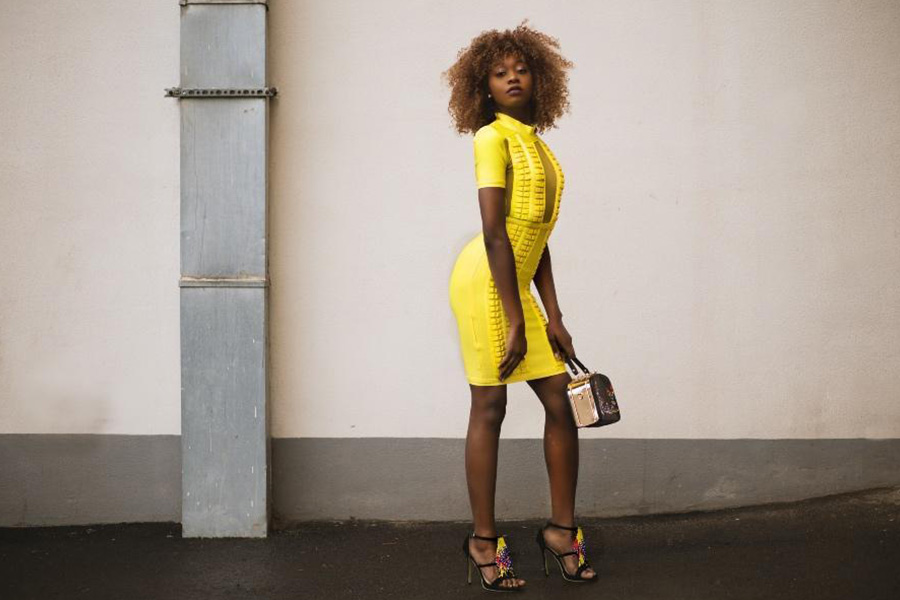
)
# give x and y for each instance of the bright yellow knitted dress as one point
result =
(508, 154)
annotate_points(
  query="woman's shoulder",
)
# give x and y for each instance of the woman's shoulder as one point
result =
(488, 133)
(491, 139)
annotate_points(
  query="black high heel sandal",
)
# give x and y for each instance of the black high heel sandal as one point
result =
(502, 560)
(578, 547)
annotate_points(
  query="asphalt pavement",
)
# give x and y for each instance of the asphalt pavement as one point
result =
(844, 547)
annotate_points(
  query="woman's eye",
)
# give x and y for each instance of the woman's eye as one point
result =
(520, 70)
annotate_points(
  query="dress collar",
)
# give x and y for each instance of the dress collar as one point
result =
(514, 124)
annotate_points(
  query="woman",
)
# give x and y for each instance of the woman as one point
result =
(505, 87)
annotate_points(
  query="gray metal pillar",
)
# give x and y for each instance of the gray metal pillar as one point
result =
(225, 446)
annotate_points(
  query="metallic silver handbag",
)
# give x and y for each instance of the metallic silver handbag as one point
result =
(591, 397)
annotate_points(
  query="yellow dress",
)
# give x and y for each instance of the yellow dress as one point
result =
(508, 154)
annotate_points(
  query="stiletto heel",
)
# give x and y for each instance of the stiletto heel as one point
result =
(544, 558)
(578, 548)
(502, 560)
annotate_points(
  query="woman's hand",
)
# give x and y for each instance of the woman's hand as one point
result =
(560, 340)
(516, 346)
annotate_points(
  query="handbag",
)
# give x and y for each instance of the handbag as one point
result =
(591, 397)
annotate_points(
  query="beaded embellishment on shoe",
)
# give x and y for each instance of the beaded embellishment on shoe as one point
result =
(503, 558)
(578, 546)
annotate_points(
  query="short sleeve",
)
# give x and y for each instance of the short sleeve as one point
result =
(491, 158)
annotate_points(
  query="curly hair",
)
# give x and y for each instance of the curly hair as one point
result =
(471, 108)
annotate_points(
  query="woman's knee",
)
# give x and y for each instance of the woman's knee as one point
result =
(553, 395)
(489, 405)
(557, 408)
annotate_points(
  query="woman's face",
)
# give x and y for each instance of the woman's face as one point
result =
(510, 83)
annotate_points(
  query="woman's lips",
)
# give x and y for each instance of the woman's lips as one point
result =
(514, 92)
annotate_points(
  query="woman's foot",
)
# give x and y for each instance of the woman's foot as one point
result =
(483, 551)
(561, 540)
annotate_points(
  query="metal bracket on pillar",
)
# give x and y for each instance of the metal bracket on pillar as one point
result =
(223, 282)
(186, 2)
(176, 92)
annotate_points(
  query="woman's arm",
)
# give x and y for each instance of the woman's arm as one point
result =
(502, 262)
(559, 337)
(543, 281)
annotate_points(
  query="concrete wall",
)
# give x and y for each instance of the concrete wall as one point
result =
(739, 157)
(89, 218)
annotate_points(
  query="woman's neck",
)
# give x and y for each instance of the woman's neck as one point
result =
(522, 114)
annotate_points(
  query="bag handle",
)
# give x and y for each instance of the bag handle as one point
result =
(574, 370)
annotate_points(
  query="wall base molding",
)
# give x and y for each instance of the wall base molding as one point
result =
(67, 479)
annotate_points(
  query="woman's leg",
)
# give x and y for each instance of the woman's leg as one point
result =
(485, 418)
(561, 456)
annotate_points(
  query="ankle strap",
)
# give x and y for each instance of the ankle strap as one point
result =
(481, 537)
(552, 524)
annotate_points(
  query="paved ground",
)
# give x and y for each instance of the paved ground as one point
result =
(843, 547)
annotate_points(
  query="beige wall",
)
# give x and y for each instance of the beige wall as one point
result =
(739, 159)
(89, 217)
